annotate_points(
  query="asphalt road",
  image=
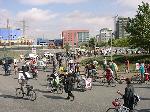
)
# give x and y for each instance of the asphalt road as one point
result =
(96, 100)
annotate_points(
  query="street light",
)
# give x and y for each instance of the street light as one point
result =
(112, 33)
(4, 49)
(111, 42)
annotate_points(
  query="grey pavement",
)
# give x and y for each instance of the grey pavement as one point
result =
(96, 100)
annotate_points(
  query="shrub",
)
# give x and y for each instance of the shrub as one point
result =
(119, 59)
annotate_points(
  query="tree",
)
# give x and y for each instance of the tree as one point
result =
(109, 42)
(92, 43)
(67, 47)
(101, 44)
(121, 42)
(83, 45)
(139, 27)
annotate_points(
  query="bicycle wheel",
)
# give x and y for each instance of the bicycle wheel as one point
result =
(113, 83)
(112, 110)
(32, 95)
(60, 89)
(82, 88)
(19, 93)
(102, 81)
(49, 87)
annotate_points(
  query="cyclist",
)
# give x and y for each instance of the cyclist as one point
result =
(21, 79)
(129, 95)
(34, 71)
(25, 71)
(77, 69)
(55, 80)
(6, 66)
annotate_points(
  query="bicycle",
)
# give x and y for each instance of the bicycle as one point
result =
(84, 83)
(103, 81)
(54, 88)
(118, 107)
(8, 70)
(136, 79)
(29, 92)
(147, 78)
(93, 74)
(120, 79)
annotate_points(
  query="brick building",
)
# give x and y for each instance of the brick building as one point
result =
(74, 37)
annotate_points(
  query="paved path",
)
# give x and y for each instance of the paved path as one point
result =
(96, 100)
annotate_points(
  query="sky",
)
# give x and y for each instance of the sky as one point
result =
(48, 18)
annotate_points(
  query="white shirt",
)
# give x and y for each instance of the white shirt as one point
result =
(21, 76)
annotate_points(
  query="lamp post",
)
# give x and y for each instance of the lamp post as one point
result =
(95, 41)
(4, 49)
(111, 47)
(111, 42)
(113, 34)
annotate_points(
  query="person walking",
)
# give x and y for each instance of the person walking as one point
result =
(108, 74)
(68, 86)
(77, 70)
(15, 67)
(114, 68)
(127, 66)
(142, 72)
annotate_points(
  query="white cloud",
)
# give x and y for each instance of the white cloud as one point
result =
(131, 3)
(83, 20)
(43, 2)
(5, 14)
(35, 14)
(39, 21)
(51, 24)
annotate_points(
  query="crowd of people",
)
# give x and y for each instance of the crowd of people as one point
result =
(67, 68)
(104, 51)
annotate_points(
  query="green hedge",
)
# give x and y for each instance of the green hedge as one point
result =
(119, 59)
(90, 60)
(132, 59)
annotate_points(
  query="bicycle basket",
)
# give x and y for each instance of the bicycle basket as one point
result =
(116, 103)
